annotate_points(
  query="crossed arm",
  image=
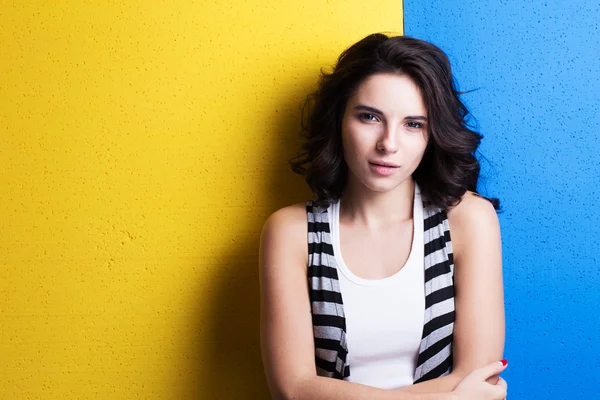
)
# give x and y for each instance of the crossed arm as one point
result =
(286, 325)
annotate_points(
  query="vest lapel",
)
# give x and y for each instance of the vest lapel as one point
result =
(435, 350)
(329, 323)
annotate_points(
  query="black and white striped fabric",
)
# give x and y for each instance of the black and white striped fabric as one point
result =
(329, 323)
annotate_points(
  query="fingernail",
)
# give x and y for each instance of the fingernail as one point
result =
(504, 362)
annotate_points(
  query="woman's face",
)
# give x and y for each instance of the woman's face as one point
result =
(384, 132)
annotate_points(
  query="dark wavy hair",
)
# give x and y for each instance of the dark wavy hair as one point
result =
(449, 167)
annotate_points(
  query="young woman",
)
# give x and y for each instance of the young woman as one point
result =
(389, 284)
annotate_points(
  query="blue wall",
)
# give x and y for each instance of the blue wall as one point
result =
(536, 65)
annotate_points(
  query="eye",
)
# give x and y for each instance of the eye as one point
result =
(368, 117)
(415, 125)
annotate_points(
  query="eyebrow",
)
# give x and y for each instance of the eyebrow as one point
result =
(376, 111)
(367, 108)
(417, 117)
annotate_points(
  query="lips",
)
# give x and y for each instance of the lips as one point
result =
(383, 168)
(384, 164)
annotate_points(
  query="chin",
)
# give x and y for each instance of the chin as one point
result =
(382, 187)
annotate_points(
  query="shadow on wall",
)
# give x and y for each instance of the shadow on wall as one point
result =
(231, 347)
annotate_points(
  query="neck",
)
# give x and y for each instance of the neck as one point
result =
(377, 209)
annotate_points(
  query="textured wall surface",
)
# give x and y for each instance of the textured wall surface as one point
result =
(536, 68)
(142, 145)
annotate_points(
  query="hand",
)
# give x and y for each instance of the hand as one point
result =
(475, 386)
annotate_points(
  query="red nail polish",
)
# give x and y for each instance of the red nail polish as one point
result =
(504, 362)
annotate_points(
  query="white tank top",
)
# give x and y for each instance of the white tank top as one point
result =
(384, 317)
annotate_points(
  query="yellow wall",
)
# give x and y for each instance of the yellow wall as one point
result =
(142, 145)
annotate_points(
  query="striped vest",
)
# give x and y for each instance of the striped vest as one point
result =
(329, 323)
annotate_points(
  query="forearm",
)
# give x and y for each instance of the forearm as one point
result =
(319, 388)
(445, 384)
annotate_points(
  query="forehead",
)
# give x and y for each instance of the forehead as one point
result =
(390, 93)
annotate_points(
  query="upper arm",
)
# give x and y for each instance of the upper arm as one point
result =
(286, 326)
(479, 327)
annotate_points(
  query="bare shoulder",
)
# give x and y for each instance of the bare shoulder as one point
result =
(290, 220)
(285, 233)
(473, 212)
(473, 222)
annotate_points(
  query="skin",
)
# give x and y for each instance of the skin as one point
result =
(384, 121)
(377, 210)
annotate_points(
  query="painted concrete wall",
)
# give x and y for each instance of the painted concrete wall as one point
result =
(142, 145)
(536, 68)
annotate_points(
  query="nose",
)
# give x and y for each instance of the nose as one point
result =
(388, 143)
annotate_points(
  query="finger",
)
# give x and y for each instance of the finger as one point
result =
(492, 380)
(502, 383)
(499, 392)
(490, 370)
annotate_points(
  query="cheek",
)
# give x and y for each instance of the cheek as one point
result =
(417, 148)
(351, 140)
(349, 151)
(359, 139)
